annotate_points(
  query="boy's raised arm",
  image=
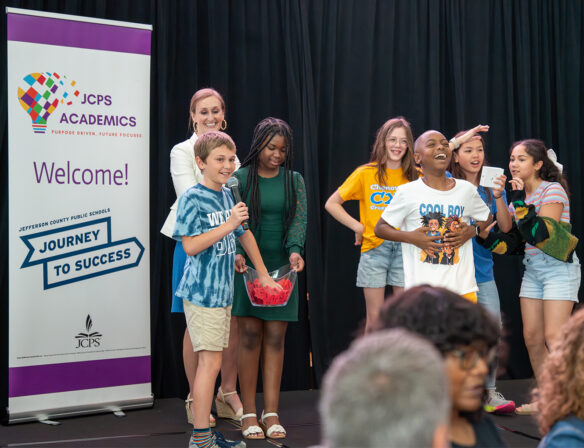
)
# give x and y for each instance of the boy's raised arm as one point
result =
(196, 244)
(249, 244)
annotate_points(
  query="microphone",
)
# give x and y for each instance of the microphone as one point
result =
(233, 185)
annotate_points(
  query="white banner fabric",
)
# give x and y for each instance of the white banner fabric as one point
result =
(78, 154)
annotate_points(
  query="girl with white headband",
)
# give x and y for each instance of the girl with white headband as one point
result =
(541, 211)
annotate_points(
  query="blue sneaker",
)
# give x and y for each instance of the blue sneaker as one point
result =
(220, 441)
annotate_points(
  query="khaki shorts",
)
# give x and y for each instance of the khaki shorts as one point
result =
(208, 327)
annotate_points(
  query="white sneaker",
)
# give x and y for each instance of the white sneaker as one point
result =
(498, 404)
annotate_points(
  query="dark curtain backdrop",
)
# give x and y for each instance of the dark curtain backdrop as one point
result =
(336, 70)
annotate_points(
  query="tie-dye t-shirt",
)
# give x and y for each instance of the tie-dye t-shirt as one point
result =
(208, 276)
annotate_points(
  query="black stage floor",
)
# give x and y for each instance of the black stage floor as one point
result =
(165, 425)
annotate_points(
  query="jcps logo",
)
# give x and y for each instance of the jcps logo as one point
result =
(41, 93)
(88, 340)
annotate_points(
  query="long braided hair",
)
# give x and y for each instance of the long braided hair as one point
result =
(262, 135)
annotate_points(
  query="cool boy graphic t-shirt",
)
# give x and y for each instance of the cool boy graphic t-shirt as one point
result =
(208, 276)
(416, 205)
(362, 185)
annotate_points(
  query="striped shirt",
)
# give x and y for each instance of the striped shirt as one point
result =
(546, 193)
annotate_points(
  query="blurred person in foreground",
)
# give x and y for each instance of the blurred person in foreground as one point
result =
(561, 388)
(388, 389)
(466, 335)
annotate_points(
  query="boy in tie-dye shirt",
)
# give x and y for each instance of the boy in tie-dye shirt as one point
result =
(207, 223)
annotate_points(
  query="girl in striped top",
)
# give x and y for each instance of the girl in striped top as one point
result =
(541, 211)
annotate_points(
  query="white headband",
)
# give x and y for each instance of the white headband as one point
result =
(554, 158)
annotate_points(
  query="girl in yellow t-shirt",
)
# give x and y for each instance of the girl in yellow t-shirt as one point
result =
(373, 185)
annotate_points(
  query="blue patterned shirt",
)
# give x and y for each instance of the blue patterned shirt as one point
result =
(208, 276)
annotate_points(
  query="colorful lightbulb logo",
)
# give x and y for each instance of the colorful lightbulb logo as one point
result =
(41, 96)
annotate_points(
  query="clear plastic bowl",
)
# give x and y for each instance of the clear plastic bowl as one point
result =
(264, 295)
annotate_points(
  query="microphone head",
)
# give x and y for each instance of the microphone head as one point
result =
(232, 182)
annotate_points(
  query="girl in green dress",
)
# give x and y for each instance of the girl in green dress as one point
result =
(276, 198)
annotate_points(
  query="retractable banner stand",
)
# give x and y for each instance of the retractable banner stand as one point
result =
(79, 294)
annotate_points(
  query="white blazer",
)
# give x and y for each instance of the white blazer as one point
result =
(185, 173)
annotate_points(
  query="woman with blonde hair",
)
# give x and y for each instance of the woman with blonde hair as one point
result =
(560, 395)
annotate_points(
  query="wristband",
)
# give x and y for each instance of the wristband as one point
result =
(516, 196)
(455, 143)
(477, 229)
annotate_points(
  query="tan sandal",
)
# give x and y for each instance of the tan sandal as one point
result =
(188, 401)
(274, 431)
(224, 409)
(527, 409)
(252, 431)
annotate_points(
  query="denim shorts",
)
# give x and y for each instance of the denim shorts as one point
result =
(381, 266)
(550, 279)
(488, 298)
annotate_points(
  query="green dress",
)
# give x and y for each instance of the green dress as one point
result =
(269, 236)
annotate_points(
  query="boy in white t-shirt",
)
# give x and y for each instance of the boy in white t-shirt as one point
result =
(436, 255)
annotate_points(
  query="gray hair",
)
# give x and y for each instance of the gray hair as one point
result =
(388, 389)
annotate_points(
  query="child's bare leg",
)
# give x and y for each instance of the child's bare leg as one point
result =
(396, 289)
(533, 332)
(555, 314)
(229, 368)
(250, 344)
(373, 302)
(189, 360)
(204, 385)
(272, 363)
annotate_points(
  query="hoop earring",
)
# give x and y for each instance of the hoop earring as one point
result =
(195, 127)
(224, 125)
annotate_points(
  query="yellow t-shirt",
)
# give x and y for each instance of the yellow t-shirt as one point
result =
(362, 185)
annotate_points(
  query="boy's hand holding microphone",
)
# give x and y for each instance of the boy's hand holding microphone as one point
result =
(239, 216)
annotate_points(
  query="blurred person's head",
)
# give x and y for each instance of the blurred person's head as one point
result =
(463, 332)
(387, 389)
(561, 383)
